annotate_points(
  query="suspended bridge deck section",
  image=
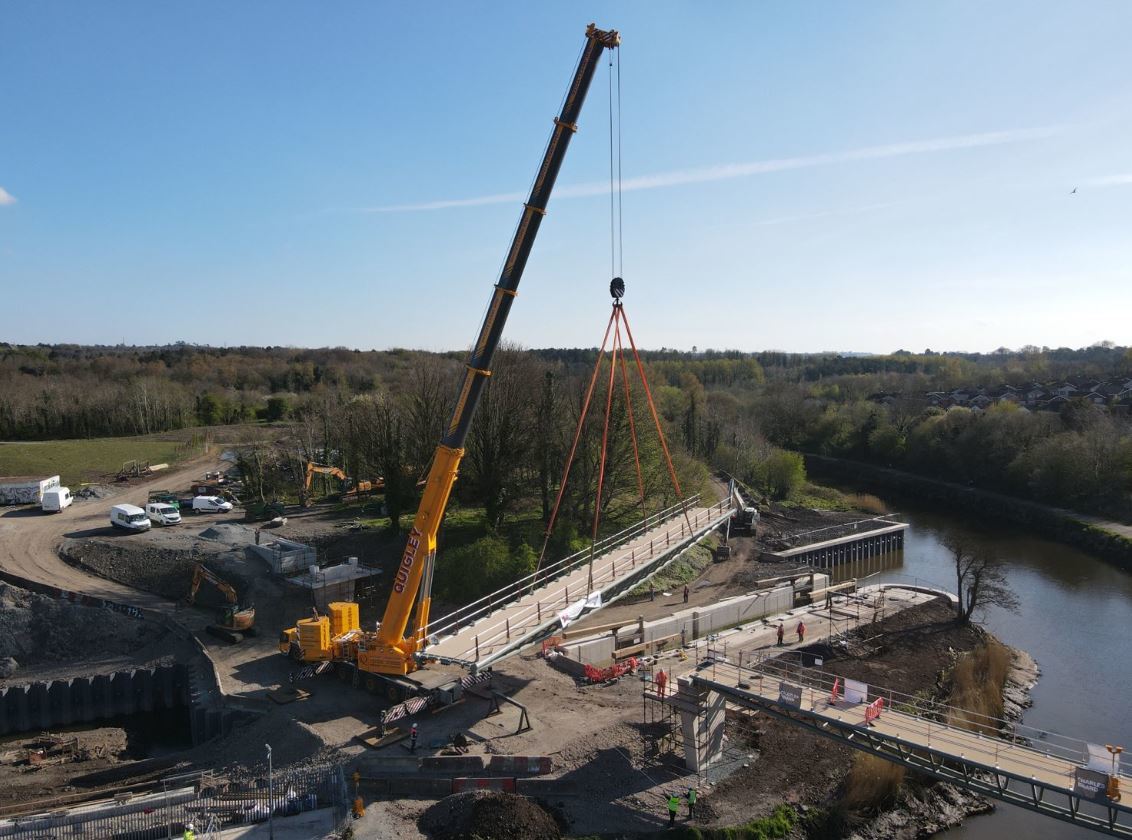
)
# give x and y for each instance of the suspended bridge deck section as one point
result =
(499, 624)
(1052, 780)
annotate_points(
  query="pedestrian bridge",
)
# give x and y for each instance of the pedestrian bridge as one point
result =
(1051, 774)
(499, 624)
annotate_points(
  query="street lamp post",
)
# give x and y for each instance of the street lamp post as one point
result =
(270, 796)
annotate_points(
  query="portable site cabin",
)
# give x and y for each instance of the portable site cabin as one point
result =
(26, 489)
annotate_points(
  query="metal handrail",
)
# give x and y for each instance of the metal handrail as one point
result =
(1054, 744)
(486, 604)
(517, 624)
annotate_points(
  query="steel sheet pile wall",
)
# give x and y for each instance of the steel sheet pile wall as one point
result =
(44, 705)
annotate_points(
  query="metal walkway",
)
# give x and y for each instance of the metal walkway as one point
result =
(498, 624)
(1048, 780)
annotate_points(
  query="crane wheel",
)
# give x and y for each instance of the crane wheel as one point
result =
(343, 672)
(393, 693)
(373, 686)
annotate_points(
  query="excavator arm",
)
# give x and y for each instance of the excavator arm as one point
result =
(394, 652)
(201, 574)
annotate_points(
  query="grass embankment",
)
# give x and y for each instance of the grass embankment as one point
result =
(86, 460)
(79, 461)
(684, 569)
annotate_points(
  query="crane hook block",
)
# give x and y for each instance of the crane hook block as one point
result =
(617, 288)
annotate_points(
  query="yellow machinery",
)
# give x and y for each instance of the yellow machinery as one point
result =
(234, 622)
(349, 486)
(395, 649)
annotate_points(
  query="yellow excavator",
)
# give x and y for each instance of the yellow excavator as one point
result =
(386, 656)
(234, 622)
(350, 488)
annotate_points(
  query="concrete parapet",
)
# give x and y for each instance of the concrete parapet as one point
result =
(483, 783)
(519, 765)
(537, 787)
(453, 765)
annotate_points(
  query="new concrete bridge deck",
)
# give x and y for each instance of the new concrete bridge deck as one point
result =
(502, 622)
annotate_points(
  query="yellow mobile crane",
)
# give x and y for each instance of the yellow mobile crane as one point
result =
(394, 650)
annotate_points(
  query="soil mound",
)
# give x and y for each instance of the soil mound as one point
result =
(165, 572)
(37, 630)
(489, 815)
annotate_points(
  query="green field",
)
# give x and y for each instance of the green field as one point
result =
(80, 461)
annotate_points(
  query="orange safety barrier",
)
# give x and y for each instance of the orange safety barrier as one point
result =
(873, 710)
(617, 669)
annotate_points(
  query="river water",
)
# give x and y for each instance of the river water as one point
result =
(1074, 616)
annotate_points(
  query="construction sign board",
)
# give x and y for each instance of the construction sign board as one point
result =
(790, 695)
(1090, 784)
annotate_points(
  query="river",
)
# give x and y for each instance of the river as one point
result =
(1075, 610)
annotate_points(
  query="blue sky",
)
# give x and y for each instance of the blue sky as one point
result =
(797, 176)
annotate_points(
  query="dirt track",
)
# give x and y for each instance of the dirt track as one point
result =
(29, 539)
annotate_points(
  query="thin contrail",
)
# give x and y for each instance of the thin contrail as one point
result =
(729, 171)
(1110, 181)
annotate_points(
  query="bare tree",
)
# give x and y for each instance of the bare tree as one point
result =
(980, 581)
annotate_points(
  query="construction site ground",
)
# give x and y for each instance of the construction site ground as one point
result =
(593, 733)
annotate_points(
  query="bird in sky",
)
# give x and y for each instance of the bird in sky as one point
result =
(1074, 191)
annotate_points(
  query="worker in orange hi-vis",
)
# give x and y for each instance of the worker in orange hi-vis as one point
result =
(661, 682)
(801, 632)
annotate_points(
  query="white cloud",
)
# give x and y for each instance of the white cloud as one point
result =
(724, 172)
(1110, 181)
(6, 197)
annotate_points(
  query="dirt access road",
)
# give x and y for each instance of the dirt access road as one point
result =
(30, 539)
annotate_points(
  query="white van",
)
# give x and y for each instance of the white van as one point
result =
(54, 501)
(162, 513)
(213, 504)
(129, 517)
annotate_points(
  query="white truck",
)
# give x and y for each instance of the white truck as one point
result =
(129, 517)
(162, 513)
(56, 500)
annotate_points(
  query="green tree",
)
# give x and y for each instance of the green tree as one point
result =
(278, 408)
(783, 474)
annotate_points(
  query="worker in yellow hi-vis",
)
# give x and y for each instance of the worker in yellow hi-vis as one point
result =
(673, 807)
(691, 801)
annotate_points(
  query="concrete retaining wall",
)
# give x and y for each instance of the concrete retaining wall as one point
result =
(690, 623)
(41, 705)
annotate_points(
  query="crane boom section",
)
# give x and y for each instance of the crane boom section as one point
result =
(395, 651)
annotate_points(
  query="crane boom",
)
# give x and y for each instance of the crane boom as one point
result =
(394, 652)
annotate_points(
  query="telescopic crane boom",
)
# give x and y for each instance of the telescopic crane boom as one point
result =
(394, 652)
